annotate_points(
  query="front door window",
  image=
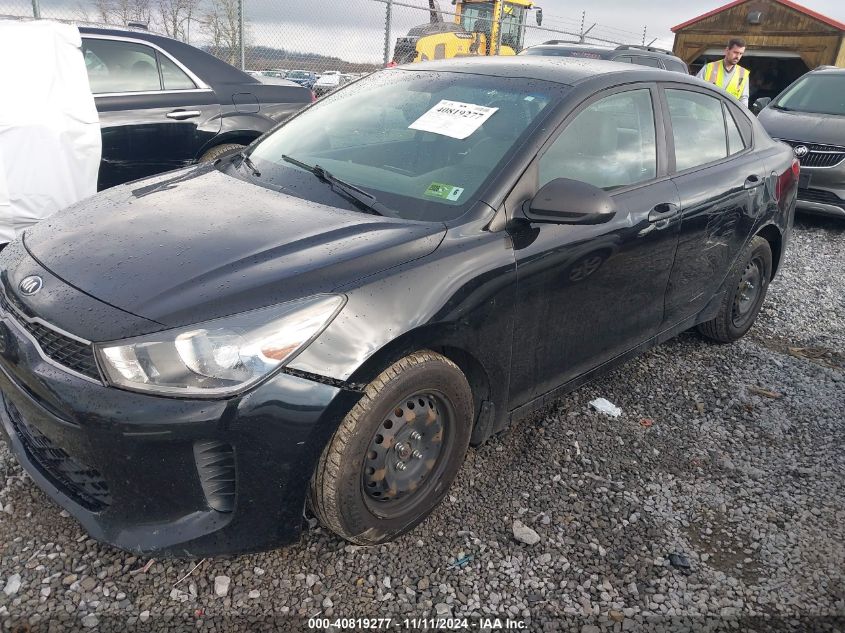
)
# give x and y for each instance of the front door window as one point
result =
(610, 144)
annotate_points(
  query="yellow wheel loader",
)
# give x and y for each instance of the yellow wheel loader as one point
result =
(475, 31)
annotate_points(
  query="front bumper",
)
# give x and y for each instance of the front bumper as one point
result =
(825, 193)
(175, 476)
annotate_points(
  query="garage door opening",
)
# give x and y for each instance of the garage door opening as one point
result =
(771, 70)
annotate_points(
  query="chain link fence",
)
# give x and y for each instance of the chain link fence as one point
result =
(327, 36)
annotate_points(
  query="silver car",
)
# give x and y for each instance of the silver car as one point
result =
(810, 116)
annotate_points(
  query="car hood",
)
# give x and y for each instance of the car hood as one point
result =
(804, 126)
(197, 244)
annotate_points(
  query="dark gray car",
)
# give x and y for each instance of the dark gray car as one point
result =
(810, 116)
(626, 53)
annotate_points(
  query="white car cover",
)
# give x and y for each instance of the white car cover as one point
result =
(50, 141)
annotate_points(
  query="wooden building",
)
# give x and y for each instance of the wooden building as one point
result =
(784, 39)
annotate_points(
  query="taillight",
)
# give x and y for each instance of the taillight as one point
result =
(313, 97)
(787, 179)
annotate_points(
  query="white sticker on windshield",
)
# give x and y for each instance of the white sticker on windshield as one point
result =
(453, 118)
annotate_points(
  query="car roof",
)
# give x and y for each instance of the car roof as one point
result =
(563, 70)
(829, 70)
(604, 51)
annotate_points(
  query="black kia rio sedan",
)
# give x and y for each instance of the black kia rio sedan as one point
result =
(401, 270)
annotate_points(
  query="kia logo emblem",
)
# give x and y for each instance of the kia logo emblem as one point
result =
(801, 151)
(30, 285)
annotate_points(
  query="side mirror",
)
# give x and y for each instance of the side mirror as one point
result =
(539, 16)
(565, 201)
(759, 104)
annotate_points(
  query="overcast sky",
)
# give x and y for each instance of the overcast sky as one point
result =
(355, 28)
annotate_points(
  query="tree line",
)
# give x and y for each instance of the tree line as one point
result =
(218, 21)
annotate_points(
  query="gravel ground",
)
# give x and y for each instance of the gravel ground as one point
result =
(730, 456)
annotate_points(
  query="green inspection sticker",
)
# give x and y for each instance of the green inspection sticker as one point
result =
(446, 192)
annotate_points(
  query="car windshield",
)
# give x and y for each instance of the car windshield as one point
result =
(299, 74)
(421, 142)
(819, 94)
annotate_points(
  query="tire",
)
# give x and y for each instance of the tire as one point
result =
(748, 283)
(219, 151)
(418, 412)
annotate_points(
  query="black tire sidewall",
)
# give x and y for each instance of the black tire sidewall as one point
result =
(431, 376)
(758, 248)
(220, 151)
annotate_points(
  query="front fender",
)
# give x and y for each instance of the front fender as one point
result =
(460, 297)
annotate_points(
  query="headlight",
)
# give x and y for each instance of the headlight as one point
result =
(219, 357)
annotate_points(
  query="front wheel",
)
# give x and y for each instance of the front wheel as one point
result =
(397, 451)
(220, 151)
(747, 286)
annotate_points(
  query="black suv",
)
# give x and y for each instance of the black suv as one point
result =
(164, 104)
(810, 116)
(627, 53)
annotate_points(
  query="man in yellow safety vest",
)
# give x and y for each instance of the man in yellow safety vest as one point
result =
(726, 74)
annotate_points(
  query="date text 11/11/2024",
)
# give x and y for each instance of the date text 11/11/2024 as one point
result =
(418, 624)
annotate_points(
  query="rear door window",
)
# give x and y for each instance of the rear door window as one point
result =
(698, 127)
(174, 78)
(735, 141)
(118, 66)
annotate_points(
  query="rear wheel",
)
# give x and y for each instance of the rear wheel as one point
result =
(396, 452)
(747, 285)
(220, 151)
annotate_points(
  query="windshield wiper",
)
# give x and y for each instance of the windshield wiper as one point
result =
(363, 200)
(780, 107)
(245, 160)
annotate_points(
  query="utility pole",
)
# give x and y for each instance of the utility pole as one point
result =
(500, 18)
(388, 20)
(583, 34)
(241, 33)
(36, 9)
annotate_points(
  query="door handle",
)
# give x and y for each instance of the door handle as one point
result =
(181, 115)
(662, 212)
(752, 181)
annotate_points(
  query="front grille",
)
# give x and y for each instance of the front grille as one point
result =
(216, 468)
(64, 350)
(82, 483)
(820, 155)
(820, 195)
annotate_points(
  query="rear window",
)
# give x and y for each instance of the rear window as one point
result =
(562, 52)
(675, 65)
(642, 60)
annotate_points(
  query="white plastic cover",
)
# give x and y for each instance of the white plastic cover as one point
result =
(50, 140)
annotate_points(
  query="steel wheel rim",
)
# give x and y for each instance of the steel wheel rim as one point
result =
(748, 292)
(406, 453)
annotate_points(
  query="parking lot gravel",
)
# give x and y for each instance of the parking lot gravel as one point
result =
(717, 498)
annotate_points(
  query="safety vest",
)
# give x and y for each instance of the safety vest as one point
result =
(714, 72)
